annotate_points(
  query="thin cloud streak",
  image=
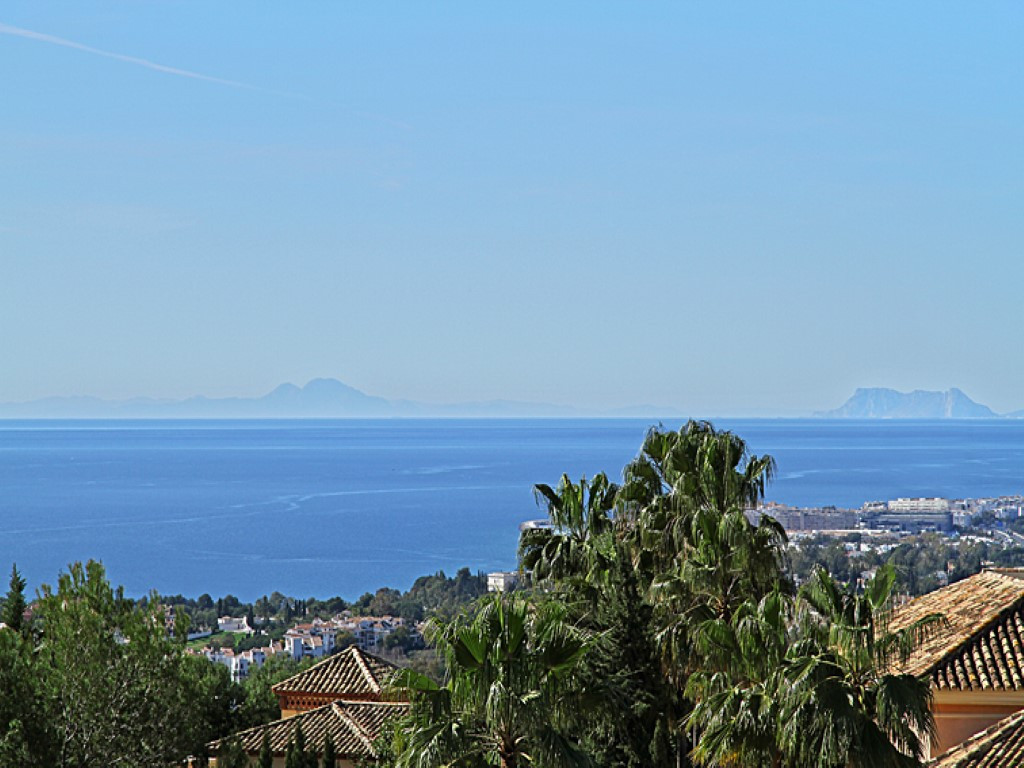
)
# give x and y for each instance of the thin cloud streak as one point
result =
(28, 34)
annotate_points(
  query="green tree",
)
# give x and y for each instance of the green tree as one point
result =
(582, 559)
(577, 543)
(266, 757)
(110, 676)
(330, 758)
(212, 701)
(14, 606)
(631, 709)
(847, 707)
(384, 602)
(26, 736)
(260, 705)
(231, 755)
(298, 755)
(511, 677)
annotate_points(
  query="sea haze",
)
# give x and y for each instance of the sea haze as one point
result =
(324, 507)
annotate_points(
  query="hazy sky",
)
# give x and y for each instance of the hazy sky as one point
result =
(726, 208)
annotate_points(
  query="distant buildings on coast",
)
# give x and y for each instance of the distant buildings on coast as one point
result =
(906, 515)
(315, 639)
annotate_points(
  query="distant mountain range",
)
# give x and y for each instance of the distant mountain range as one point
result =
(320, 398)
(330, 398)
(880, 403)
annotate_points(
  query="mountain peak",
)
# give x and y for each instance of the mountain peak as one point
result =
(884, 403)
(329, 386)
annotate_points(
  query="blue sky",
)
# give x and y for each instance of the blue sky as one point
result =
(742, 209)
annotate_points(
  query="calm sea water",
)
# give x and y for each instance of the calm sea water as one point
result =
(342, 507)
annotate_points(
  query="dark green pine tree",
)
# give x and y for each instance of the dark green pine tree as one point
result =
(231, 755)
(629, 722)
(14, 608)
(266, 758)
(330, 759)
(296, 756)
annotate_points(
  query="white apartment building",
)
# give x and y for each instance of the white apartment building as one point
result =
(239, 664)
(919, 505)
(316, 640)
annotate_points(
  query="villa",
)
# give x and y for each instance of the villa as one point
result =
(343, 696)
(351, 674)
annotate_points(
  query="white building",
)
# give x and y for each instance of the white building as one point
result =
(239, 664)
(234, 624)
(919, 505)
(316, 640)
(501, 581)
(371, 631)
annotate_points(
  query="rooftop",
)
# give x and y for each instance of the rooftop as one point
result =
(1000, 746)
(352, 725)
(348, 673)
(981, 646)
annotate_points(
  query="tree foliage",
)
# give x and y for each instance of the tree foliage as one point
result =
(266, 757)
(102, 683)
(330, 757)
(231, 755)
(13, 614)
(757, 674)
(26, 736)
(512, 673)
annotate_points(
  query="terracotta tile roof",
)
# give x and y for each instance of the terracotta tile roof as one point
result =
(999, 746)
(348, 673)
(982, 645)
(352, 725)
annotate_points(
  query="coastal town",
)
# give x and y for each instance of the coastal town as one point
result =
(307, 640)
(898, 516)
(230, 643)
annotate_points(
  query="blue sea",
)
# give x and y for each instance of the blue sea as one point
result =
(318, 508)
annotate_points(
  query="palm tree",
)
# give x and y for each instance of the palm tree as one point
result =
(740, 691)
(707, 467)
(583, 560)
(849, 707)
(686, 499)
(510, 679)
(810, 683)
(578, 543)
(687, 492)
